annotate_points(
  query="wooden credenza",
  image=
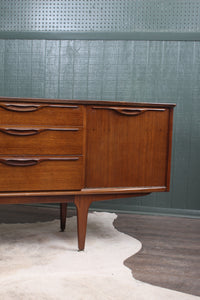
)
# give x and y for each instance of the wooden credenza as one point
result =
(61, 151)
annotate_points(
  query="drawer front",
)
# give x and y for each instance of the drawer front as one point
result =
(15, 140)
(41, 173)
(41, 114)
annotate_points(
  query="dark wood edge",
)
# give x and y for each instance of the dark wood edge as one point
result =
(86, 192)
(168, 173)
(65, 198)
(125, 190)
(85, 102)
(84, 146)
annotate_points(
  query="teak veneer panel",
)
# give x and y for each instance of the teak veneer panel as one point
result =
(127, 150)
(47, 114)
(41, 173)
(15, 140)
(82, 151)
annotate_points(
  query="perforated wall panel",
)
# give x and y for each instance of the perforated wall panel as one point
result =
(100, 15)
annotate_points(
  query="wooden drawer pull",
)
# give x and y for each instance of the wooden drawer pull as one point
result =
(27, 162)
(19, 132)
(129, 111)
(31, 108)
(20, 107)
(32, 131)
(19, 163)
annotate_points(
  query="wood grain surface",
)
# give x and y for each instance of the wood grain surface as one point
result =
(40, 114)
(128, 146)
(36, 140)
(33, 173)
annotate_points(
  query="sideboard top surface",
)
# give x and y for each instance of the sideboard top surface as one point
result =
(85, 102)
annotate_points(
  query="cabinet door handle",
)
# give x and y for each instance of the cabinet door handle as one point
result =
(27, 162)
(32, 131)
(129, 111)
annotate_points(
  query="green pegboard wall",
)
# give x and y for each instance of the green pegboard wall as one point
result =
(99, 16)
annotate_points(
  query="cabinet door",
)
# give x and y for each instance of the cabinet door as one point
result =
(127, 147)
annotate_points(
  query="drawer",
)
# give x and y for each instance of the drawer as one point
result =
(41, 114)
(41, 173)
(32, 140)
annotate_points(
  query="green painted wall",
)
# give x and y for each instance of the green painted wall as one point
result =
(139, 71)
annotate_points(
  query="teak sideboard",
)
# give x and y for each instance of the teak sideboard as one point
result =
(61, 151)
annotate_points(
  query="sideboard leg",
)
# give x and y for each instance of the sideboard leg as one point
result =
(63, 215)
(82, 205)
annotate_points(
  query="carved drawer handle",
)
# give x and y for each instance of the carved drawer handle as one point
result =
(32, 131)
(31, 107)
(129, 111)
(20, 132)
(19, 162)
(20, 107)
(27, 162)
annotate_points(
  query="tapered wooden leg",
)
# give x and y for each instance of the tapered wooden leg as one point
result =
(63, 215)
(82, 205)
